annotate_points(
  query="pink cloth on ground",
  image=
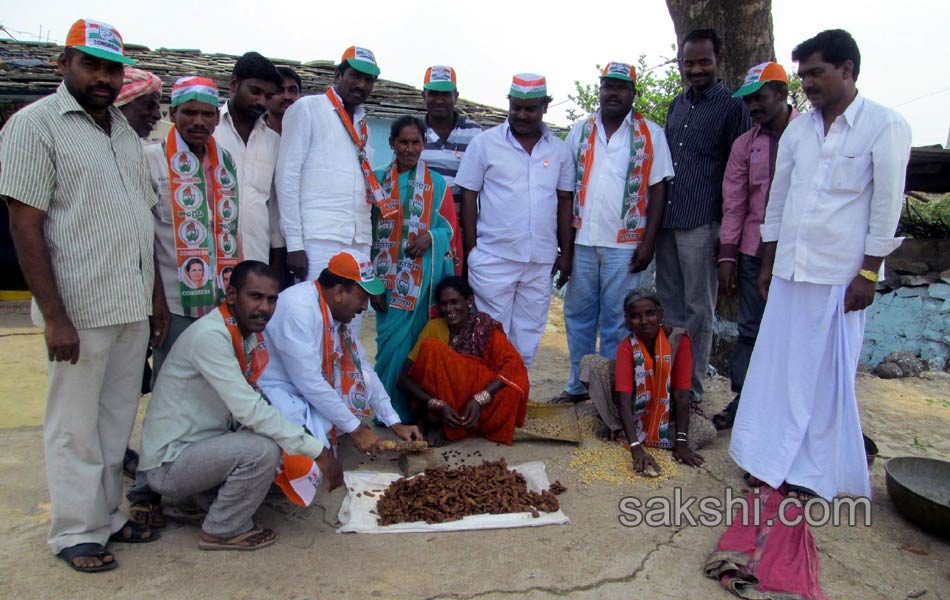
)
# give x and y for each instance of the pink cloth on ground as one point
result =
(759, 561)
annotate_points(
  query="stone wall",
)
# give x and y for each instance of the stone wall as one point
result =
(911, 312)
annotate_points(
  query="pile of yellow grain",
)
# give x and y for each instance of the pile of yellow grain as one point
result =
(612, 463)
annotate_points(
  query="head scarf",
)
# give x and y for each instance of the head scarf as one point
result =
(137, 83)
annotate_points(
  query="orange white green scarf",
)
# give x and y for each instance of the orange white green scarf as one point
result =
(205, 220)
(651, 402)
(398, 272)
(297, 475)
(374, 192)
(348, 379)
(633, 208)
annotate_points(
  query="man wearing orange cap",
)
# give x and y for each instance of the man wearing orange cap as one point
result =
(318, 375)
(210, 436)
(325, 180)
(140, 100)
(622, 163)
(517, 181)
(745, 193)
(449, 132)
(76, 182)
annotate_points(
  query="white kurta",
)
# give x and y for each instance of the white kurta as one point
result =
(798, 419)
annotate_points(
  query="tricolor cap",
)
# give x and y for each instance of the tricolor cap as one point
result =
(758, 76)
(528, 85)
(299, 478)
(197, 88)
(440, 78)
(361, 59)
(97, 39)
(357, 267)
(618, 70)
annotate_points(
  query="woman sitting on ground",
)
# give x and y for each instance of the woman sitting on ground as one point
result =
(650, 402)
(463, 376)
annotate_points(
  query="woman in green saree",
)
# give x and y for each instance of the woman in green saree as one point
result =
(413, 249)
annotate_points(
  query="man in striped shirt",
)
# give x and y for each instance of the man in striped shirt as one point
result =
(76, 183)
(449, 133)
(701, 126)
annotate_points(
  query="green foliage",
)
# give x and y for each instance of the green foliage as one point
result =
(796, 95)
(925, 216)
(656, 88)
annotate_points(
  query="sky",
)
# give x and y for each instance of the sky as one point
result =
(904, 47)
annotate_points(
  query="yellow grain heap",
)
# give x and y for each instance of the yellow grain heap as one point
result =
(611, 463)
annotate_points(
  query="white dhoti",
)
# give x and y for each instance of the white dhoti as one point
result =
(798, 421)
(516, 294)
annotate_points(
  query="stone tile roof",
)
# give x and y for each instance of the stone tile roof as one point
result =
(28, 72)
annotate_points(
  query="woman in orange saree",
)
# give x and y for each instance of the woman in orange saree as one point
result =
(463, 376)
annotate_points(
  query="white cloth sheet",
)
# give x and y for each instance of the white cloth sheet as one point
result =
(356, 517)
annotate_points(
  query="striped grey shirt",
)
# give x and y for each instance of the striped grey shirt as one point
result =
(445, 157)
(95, 191)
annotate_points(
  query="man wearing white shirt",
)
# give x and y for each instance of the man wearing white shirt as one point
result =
(325, 183)
(318, 375)
(621, 162)
(516, 180)
(253, 145)
(833, 209)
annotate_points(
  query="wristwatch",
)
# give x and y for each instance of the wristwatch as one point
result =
(869, 275)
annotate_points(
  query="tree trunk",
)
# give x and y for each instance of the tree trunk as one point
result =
(744, 26)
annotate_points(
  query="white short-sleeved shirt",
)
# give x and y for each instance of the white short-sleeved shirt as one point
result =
(602, 216)
(517, 217)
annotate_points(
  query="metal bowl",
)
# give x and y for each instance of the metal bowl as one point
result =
(920, 488)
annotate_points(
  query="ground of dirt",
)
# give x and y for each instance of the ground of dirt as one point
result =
(594, 556)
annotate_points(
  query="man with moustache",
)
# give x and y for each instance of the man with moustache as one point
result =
(210, 435)
(448, 132)
(76, 183)
(325, 181)
(523, 178)
(253, 146)
(701, 126)
(621, 162)
(318, 375)
(833, 209)
(286, 95)
(745, 193)
(192, 175)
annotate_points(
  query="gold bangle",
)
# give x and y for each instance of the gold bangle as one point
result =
(869, 275)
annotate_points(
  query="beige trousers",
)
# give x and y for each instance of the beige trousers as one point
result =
(90, 410)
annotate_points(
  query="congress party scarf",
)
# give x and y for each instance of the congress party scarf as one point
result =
(633, 207)
(374, 192)
(348, 379)
(400, 273)
(205, 220)
(651, 402)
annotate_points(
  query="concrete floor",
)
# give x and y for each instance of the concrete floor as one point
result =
(592, 557)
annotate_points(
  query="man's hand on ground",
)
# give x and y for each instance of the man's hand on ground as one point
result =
(364, 439)
(331, 469)
(410, 433)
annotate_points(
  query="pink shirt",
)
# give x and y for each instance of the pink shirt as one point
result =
(745, 192)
